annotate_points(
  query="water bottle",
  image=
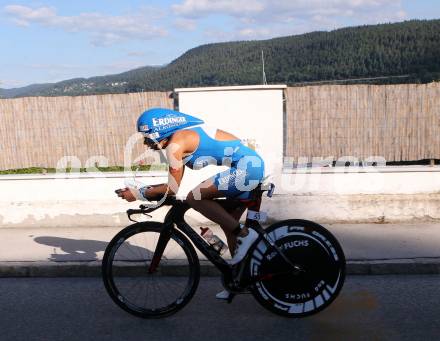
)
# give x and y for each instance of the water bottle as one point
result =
(213, 240)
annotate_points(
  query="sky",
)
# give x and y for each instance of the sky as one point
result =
(46, 41)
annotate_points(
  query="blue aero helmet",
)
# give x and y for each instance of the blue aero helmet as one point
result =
(158, 123)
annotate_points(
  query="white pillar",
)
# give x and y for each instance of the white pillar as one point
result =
(253, 113)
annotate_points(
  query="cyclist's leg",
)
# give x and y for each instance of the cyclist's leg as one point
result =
(200, 198)
(201, 205)
(236, 213)
(229, 183)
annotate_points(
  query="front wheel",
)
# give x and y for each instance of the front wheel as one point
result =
(131, 283)
(314, 280)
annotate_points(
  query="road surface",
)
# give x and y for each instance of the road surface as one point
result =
(369, 308)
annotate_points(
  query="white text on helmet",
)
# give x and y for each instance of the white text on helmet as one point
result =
(168, 120)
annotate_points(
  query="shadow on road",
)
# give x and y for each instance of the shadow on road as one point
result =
(67, 250)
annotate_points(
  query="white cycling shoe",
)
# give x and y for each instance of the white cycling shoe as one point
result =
(243, 245)
(223, 295)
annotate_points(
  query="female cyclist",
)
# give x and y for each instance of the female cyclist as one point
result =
(187, 141)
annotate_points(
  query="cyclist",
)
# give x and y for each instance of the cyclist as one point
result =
(187, 141)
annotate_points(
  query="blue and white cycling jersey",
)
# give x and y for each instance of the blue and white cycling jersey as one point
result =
(246, 166)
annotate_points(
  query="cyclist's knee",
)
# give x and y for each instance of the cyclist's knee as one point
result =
(191, 199)
(196, 195)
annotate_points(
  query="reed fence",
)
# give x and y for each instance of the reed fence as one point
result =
(40, 131)
(397, 122)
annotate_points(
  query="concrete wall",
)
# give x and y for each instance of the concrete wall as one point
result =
(89, 200)
(85, 199)
(388, 194)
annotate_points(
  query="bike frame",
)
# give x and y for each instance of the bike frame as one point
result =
(232, 275)
(251, 274)
(175, 217)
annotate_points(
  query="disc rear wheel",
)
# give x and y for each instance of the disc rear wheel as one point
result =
(314, 280)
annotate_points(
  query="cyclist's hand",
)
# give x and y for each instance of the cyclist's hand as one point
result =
(126, 194)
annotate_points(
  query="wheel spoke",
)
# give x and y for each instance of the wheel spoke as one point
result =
(125, 272)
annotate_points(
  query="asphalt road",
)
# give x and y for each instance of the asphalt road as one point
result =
(369, 308)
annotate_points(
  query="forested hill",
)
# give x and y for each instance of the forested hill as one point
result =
(410, 48)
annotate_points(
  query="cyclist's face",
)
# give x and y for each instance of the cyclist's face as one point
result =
(153, 144)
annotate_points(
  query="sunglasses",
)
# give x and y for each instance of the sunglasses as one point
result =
(153, 144)
(149, 142)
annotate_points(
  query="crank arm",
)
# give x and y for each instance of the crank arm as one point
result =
(296, 268)
(268, 240)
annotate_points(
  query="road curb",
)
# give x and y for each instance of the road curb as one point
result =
(418, 266)
(75, 269)
(93, 268)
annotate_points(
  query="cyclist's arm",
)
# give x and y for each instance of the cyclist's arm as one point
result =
(154, 191)
(174, 152)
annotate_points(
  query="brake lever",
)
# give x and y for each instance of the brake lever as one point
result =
(130, 212)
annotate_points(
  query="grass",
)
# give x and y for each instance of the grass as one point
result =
(42, 170)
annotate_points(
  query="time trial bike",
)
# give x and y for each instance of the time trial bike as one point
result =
(150, 269)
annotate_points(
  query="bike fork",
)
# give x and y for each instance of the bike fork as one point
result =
(164, 238)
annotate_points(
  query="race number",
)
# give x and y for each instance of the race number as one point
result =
(258, 216)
